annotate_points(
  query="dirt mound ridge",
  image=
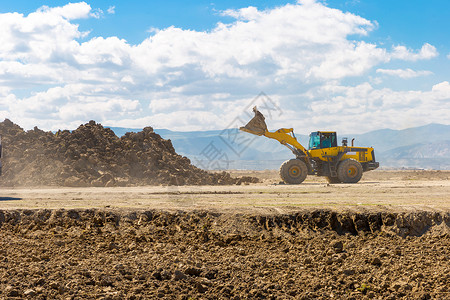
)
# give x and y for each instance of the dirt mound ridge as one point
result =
(93, 155)
(402, 224)
(100, 254)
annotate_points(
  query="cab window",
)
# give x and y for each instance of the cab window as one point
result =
(328, 140)
(314, 140)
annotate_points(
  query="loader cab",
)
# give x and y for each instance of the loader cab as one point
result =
(322, 139)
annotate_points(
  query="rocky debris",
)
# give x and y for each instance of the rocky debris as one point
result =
(29, 293)
(94, 156)
(376, 261)
(193, 271)
(337, 246)
(178, 275)
(66, 254)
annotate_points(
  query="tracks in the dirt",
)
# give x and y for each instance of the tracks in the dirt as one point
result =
(426, 195)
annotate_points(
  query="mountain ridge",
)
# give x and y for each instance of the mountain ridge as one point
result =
(424, 147)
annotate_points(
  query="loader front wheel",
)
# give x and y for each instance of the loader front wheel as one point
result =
(349, 171)
(293, 171)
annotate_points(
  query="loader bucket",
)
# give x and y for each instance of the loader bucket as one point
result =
(256, 125)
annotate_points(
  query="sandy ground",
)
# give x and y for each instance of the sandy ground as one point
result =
(385, 190)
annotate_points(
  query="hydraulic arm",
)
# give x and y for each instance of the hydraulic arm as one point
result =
(285, 136)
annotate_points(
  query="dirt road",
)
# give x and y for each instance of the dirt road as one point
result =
(378, 190)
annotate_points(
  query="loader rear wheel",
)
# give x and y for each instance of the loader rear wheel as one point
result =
(349, 171)
(293, 171)
(333, 179)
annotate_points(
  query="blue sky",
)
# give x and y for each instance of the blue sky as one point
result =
(341, 65)
(403, 21)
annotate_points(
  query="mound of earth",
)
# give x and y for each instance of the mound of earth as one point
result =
(93, 155)
(107, 254)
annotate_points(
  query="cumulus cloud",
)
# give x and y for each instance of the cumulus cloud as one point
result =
(404, 73)
(42, 35)
(369, 107)
(442, 89)
(70, 11)
(187, 79)
(426, 52)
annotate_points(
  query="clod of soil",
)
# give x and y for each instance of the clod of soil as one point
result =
(93, 155)
(100, 254)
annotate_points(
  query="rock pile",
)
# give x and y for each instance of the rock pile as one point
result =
(93, 155)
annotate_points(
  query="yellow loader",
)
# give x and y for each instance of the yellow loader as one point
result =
(324, 157)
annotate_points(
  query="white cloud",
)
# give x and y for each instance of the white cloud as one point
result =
(99, 108)
(442, 89)
(362, 108)
(165, 105)
(186, 79)
(246, 14)
(353, 61)
(404, 73)
(111, 10)
(286, 41)
(178, 120)
(80, 102)
(426, 52)
(41, 36)
(4, 91)
(100, 51)
(70, 11)
(96, 13)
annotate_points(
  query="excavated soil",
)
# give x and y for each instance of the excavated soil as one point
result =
(311, 254)
(93, 155)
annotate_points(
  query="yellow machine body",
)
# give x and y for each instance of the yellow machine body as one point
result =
(357, 153)
(323, 157)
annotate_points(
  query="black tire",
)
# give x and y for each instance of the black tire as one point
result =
(333, 180)
(293, 171)
(349, 171)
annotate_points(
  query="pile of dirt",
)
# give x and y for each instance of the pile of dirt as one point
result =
(108, 254)
(93, 155)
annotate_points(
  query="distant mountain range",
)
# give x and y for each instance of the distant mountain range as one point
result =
(424, 147)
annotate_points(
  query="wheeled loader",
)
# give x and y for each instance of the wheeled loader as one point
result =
(324, 157)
